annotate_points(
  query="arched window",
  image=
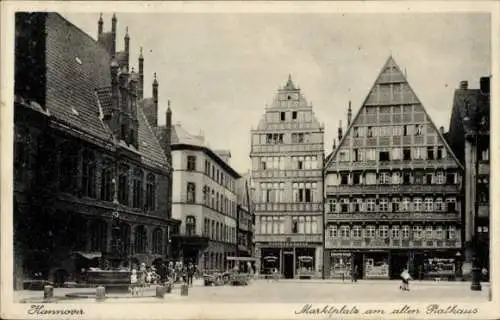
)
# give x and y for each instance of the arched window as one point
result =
(141, 239)
(138, 197)
(98, 235)
(190, 226)
(106, 180)
(88, 174)
(123, 185)
(157, 241)
(151, 192)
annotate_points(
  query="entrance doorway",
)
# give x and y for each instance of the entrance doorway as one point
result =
(358, 264)
(288, 265)
(399, 261)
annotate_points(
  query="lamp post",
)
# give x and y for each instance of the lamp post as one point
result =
(472, 130)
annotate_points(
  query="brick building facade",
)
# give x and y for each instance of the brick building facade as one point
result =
(84, 153)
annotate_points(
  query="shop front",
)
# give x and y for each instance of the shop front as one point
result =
(290, 262)
(340, 265)
(375, 265)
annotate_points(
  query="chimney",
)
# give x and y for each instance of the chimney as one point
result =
(152, 111)
(113, 31)
(340, 130)
(140, 88)
(127, 46)
(484, 85)
(334, 146)
(441, 130)
(168, 133)
(133, 109)
(464, 85)
(99, 26)
(349, 114)
(115, 104)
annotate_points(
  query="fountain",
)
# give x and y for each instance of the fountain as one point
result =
(112, 275)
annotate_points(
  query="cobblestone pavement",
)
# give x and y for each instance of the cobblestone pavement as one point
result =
(263, 291)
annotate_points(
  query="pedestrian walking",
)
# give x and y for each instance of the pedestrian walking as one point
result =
(190, 274)
(405, 278)
(354, 274)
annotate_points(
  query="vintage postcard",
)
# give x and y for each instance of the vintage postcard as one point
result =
(249, 160)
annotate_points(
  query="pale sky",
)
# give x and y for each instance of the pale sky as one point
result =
(220, 70)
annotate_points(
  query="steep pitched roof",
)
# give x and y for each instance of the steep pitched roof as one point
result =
(471, 102)
(79, 86)
(77, 67)
(390, 73)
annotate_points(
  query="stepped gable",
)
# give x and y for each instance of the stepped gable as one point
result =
(382, 95)
(79, 87)
(289, 97)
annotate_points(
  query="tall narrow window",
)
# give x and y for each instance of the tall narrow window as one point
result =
(138, 189)
(282, 116)
(68, 166)
(190, 226)
(123, 185)
(191, 192)
(89, 174)
(141, 238)
(157, 241)
(107, 180)
(151, 192)
(191, 163)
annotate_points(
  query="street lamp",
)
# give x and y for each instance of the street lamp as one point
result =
(472, 130)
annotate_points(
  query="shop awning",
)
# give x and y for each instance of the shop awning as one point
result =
(88, 255)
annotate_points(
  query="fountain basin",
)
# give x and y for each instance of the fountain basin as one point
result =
(115, 281)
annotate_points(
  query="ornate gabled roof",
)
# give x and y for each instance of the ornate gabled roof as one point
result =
(390, 74)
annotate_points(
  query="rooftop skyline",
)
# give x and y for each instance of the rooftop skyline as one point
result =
(220, 70)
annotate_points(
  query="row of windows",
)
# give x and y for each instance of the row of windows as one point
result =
(212, 199)
(396, 109)
(300, 225)
(395, 177)
(393, 154)
(388, 131)
(279, 138)
(275, 192)
(212, 171)
(406, 204)
(395, 232)
(294, 162)
(218, 231)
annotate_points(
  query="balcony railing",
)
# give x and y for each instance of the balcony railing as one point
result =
(389, 243)
(290, 173)
(392, 189)
(394, 164)
(391, 216)
(300, 207)
(303, 238)
(283, 148)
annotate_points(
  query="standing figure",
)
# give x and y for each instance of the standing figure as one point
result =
(354, 274)
(405, 278)
(133, 289)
